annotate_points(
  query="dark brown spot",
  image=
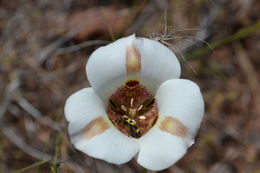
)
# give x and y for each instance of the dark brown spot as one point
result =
(132, 84)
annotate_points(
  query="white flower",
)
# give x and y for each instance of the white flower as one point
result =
(137, 106)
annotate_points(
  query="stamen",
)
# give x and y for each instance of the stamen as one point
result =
(132, 101)
(142, 117)
(140, 107)
(123, 108)
(133, 121)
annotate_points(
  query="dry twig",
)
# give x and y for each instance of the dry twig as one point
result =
(35, 113)
(10, 133)
(9, 91)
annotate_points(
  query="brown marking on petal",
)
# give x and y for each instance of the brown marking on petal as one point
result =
(95, 127)
(133, 60)
(173, 126)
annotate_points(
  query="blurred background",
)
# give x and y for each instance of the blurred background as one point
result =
(45, 44)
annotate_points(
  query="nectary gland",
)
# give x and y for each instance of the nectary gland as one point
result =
(132, 109)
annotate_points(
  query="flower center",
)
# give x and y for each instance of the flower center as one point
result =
(133, 109)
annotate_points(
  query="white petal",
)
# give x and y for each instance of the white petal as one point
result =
(159, 150)
(82, 108)
(111, 146)
(182, 100)
(84, 104)
(106, 68)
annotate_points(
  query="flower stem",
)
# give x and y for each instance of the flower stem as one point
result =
(55, 165)
(35, 165)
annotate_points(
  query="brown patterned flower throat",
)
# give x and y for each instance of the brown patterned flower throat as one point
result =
(132, 109)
